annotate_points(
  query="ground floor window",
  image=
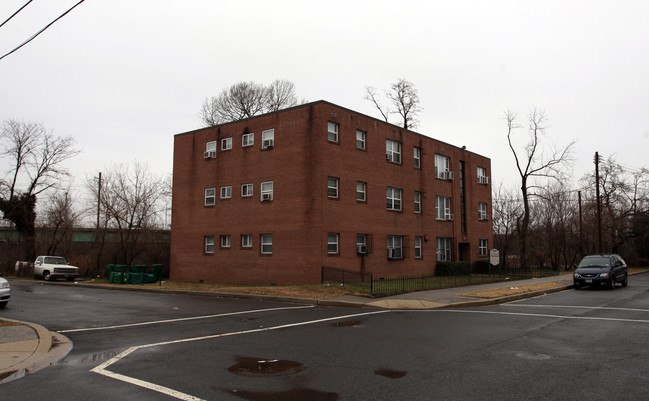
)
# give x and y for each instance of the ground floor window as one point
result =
(443, 249)
(482, 247)
(418, 247)
(395, 247)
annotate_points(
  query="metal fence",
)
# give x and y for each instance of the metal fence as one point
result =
(382, 286)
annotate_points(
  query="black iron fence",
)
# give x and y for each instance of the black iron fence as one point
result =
(383, 286)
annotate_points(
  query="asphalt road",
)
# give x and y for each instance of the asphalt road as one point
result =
(572, 345)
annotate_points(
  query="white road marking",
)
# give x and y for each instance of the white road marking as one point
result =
(612, 319)
(183, 319)
(577, 307)
(103, 368)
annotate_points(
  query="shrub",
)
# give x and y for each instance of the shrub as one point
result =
(453, 269)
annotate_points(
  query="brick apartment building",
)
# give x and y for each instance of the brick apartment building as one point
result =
(273, 198)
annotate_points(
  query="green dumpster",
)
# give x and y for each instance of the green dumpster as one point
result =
(134, 278)
(157, 271)
(138, 268)
(115, 278)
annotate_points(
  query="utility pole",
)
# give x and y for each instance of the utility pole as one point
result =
(599, 205)
(581, 228)
(97, 232)
(98, 200)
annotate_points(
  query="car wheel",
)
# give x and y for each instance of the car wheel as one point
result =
(612, 284)
(3, 304)
(577, 286)
(46, 276)
(625, 282)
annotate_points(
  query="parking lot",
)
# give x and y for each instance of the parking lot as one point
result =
(147, 346)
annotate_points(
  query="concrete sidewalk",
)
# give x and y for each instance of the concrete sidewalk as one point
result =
(27, 347)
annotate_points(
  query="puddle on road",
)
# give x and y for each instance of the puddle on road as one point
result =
(255, 367)
(288, 395)
(389, 373)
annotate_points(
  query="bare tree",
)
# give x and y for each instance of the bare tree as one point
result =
(131, 201)
(247, 99)
(404, 97)
(36, 157)
(506, 208)
(535, 162)
(57, 221)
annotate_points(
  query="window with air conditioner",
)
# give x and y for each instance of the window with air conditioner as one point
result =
(268, 139)
(393, 151)
(362, 244)
(210, 196)
(482, 211)
(395, 247)
(210, 150)
(267, 191)
(482, 176)
(442, 167)
(443, 208)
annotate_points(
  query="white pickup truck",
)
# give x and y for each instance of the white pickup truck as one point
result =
(50, 267)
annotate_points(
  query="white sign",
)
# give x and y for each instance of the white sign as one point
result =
(494, 257)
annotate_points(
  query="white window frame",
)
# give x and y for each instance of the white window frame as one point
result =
(267, 190)
(332, 131)
(442, 166)
(267, 135)
(393, 151)
(246, 240)
(226, 143)
(417, 198)
(395, 242)
(482, 176)
(266, 241)
(226, 192)
(483, 247)
(361, 139)
(248, 139)
(443, 249)
(418, 247)
(226, 241)
(361, 191)
(482, 211)
(332, 243)
(210, 146)
(393, 198)
(416, 154)
(442, 207)
(361, 241)
(209, 243)
(210, 196)
(247, 190)
(332, 187)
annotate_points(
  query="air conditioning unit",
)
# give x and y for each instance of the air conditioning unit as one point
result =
(361, 249)
(483, 180)
(484, 216)
(209, 154)
(266, 197)
(449, 217)
(394, 253)
(450, 175)
(267, 143)
(387, 157)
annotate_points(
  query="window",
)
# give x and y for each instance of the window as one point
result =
(416, 152)
(443, 208)
(482, 247)
(482, 176)
(417, 202)
(267, 243)
(482, 211)
(361, 191)
(209, 244)
(394, 198)
(332, 132)
(395, 243)
(210, 147)
(226, 192)
(443, 249)
(418, 248)
(442, 167)
(246, 240)
(360, 139)
(393, 151)
(267, 139)
(225, 241)
(210, 196)
(267, 191)
(226, 143)
(246, 190)
(361, 244)
(248, 139)
(332, 243)
(332, 187)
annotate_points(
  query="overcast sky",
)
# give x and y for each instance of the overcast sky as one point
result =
(124, 76)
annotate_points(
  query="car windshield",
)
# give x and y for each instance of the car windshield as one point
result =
(598, 261)
(55, 260)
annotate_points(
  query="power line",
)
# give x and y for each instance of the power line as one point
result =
(14, 14)
(42, 30)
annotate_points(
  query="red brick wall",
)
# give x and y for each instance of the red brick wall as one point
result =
(301, 215)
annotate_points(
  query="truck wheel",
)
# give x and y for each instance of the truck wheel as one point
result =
(46, 276)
